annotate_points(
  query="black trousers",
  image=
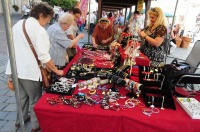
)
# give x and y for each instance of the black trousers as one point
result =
(92, 26)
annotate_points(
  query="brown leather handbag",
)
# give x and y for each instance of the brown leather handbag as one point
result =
(11, 85)
(46, 81)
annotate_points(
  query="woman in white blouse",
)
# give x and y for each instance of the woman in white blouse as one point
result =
(28, 71)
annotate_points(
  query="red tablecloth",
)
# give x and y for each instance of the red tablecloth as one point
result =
(64, 118)
(61, 118)
(76, 57)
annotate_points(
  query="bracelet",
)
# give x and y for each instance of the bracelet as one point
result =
(145, 36)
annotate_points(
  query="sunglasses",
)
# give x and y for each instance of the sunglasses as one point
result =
(154, 10)
(104, 21)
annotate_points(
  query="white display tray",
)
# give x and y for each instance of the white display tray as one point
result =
(191, 106)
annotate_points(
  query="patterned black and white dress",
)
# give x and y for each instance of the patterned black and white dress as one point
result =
(155, 54)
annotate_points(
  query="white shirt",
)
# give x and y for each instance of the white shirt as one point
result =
(92, 18)
(27, 67)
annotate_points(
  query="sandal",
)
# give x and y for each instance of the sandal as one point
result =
(35, 130)
(27, 120)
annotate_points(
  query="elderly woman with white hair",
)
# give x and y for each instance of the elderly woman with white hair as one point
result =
(60, 42)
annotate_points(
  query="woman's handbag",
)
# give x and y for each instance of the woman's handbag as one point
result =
(71, 52)
(10, 85)
(46, 81)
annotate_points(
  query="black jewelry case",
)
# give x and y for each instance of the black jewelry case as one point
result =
(153, 79)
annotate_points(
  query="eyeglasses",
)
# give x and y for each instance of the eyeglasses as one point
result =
(66, 24)
(154, 10)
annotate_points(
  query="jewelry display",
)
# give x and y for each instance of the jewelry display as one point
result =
(104, 103)
(150, 111)
(163, 99)
(191, 106)
(133, 87)
(88, 46)
(132, 102)
(154, 92)
(85, 73)
(86, 84)
(83, 68)
(97, 55)
(103, 47)
(63, 86)
(149, 101)
(152, 106)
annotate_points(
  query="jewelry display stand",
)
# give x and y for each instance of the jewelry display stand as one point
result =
(131, 94)
(153, 93)
(115, 80)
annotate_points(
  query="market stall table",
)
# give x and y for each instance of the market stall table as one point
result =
(62, 118)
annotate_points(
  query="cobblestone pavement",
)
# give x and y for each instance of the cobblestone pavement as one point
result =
(7, 97)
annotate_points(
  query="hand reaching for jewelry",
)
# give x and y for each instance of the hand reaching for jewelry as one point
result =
(104, 41)
(60, 72)
(95, 45)
(141, 33)
(81, 35)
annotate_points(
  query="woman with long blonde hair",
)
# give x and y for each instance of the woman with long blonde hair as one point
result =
(153, 36)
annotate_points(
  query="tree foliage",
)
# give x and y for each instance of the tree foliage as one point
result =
(62, 3)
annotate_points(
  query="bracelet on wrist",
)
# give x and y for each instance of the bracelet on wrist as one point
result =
(145, 36)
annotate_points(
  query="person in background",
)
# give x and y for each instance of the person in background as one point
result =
(175, 32)
(81, 23)
(121, 19)
(153, 36)
(60, 42)
(72, 32)
(103, 33)
(92, 21)
(60, 11)
(136, 23)
(25, 12)
(104, 14)
(110, 18)
(115, 25)
(23, 9)
(86, 21)
(28, 71)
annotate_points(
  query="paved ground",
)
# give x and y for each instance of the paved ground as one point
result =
(7, 97)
